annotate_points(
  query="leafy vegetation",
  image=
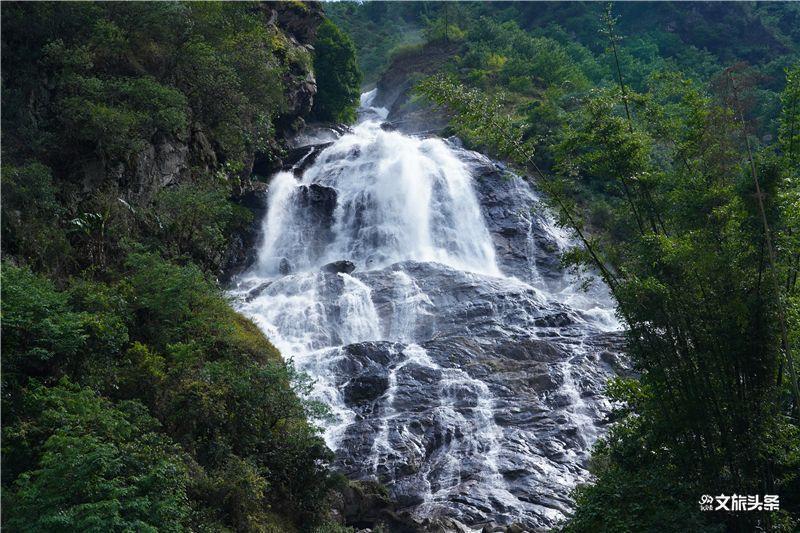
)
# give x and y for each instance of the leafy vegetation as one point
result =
(122, 473)
(118, 75)
(641, 129)
(199, 388)
(134, 397)
(337, 73)
(695, 242)
(378, 30)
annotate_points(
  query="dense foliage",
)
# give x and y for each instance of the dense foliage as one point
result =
(379, 30)
(692, 220)
(122, 473)
(337, 74)
(134, 397)
(542, 55)
(640, 130)
(119, 74)
(156, 376)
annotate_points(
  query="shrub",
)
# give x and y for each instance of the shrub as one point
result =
(121, 473)
(404, 50)
(31, 216)
(195, 220)
(41, 334)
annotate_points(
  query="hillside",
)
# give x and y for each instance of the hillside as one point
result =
(664, 138)
(136, 139)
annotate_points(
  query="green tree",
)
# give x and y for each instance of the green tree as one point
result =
(194, 222)
(42, 335)
(31, 216)
(121, 473)
(111, 322)
(338, 76)
(685, 255)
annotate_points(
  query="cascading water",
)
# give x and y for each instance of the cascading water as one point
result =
(397, 198)
(419, 284)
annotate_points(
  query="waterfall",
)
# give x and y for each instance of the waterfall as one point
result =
(419, 285)
(397, 198)
(359, 320)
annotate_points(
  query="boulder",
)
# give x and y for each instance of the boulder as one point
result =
(366, 387)
(319, 199)
(285, 267)
(339, 267)
(299, 159)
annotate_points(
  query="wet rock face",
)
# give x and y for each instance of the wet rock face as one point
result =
(317, 203)
(336, 267)
(319, 200)
(468, 383)
(299, 159)
(483, 408)
(521, 227)
(243, 246)
(490, 416)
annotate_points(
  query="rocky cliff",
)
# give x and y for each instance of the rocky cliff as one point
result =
(172, 158)
(395, 88)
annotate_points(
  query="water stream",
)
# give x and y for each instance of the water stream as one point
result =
(463, 366)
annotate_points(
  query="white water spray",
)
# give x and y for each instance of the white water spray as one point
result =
(397, 198)
(402, 209)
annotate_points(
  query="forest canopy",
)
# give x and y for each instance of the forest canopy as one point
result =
(134, 397)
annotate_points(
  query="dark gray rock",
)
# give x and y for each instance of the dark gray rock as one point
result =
(417, 418)
(480, 406)
(285, 267)
(339, 267)
(366, 387)
(420, 402)
(319, 199)
(517, 220)
(299, 159)
(243, 245)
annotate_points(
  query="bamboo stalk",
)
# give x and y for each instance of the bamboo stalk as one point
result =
(787, 353)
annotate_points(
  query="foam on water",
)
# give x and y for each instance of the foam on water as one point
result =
(398, 198)
(402, 199)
